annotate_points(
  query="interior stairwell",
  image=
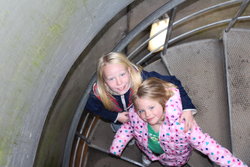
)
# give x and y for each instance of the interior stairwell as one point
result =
(215, 73)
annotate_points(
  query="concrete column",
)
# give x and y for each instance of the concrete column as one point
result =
(40, 40)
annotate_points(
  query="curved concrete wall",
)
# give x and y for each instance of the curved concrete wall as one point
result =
(40, 40)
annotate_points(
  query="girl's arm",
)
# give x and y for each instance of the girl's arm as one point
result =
(121, 139)
(208, 146)
(95, 106)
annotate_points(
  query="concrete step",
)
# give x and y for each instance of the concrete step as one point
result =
(237, 49)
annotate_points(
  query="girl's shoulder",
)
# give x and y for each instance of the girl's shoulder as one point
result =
(146, 74)
(173, 106)
(94, 90)
(175, 90)
(176, 94)
(133, 115)
(94, 96)
(132, 112)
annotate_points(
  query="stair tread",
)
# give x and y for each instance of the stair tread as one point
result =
(237, 50)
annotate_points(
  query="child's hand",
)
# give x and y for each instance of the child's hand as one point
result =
(189, 120)
(123, 117)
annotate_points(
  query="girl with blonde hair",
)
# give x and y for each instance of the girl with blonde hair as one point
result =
(154, 123)
(117, 80)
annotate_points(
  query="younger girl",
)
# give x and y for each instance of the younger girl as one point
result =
(158, 133)
(117, 79)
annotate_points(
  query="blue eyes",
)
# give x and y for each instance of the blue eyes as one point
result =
(140, 111)
(113, 78)
(122, 74)
(151, 107)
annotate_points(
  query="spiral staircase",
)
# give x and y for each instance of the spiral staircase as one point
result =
(216, 74)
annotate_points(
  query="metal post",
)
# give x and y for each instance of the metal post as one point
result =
(170, 27)
(243, 7)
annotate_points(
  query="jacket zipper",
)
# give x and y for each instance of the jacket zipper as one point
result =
(124, 103)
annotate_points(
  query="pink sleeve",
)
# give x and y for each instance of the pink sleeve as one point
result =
(122, 137)
(208, 146)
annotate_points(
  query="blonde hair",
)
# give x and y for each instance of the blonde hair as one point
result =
(115, 58)
(155, 89)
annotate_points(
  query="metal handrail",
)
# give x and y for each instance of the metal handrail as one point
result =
(145, 23)
(87, 134)
(197, 30)
(178, 22)
(190, 33)
(78, 140)
(208, 9)
(75, 122)
(183, 20)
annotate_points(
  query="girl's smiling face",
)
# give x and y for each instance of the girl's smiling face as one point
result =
(149, 110)
(117, 78)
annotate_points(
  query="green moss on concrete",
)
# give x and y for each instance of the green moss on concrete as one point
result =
(4, 150)
(34, 56)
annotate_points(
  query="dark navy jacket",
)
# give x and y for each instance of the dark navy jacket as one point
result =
(95, 106)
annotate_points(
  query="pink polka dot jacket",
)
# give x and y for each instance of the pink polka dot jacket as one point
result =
(176, 144)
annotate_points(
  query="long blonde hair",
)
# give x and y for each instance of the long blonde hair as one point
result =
(155, 89)
(115, 58)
